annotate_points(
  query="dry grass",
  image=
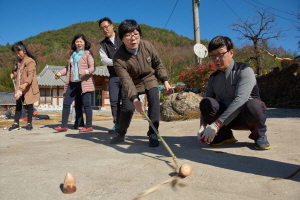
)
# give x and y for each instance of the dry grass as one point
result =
(186, 116)
(55, 118)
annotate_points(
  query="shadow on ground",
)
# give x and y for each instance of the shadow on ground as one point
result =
(185, 148)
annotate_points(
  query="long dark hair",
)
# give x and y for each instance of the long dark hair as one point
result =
(87, 45)
(19, 46)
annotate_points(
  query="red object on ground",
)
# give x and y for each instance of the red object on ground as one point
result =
(60, 129)
(86, 129)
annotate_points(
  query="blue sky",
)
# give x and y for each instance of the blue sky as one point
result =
(22, 19)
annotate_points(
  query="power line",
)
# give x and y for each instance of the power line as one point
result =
(270, 12)
(275, 8)
(3, 39)
(232, 10)
(171, 13)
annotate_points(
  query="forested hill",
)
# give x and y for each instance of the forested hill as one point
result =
(52, 47)
(176, 52)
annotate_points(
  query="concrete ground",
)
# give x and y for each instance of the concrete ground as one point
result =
(33, 164)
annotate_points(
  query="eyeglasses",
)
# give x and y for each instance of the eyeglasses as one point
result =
(104, 27)
(128, 36)
(219, 55)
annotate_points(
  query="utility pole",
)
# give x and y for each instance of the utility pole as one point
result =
(195, 6)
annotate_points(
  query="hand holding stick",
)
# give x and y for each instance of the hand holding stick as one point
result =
(57, 76)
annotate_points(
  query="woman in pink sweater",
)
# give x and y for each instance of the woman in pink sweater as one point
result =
(79, 83)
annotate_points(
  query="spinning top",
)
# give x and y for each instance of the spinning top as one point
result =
(69, 184)
(185, 170)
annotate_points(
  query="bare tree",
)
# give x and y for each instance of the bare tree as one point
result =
(298, 26)
(259, 30)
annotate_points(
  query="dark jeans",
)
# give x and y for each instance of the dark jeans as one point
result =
(19, 107)
(252, 117)
(116, 97)
(153, 112)
(79, 120)
(74, 91)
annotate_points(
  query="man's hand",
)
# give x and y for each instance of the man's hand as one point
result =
(200, 132)
(12, 76)
(210, 132)
(169, 89)
(138, 106)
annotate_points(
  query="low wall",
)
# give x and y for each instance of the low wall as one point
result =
(281, 88)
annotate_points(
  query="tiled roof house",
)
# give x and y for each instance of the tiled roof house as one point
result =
(51, 89)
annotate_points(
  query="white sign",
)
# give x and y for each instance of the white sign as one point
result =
(200, 50)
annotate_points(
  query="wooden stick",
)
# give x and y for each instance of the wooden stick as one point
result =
(155, 187)
(163, 141)
(59, 77)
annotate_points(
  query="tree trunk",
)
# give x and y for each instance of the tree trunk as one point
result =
(257, 59)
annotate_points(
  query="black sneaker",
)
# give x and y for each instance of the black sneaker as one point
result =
(29, 127)
(113, 130)
(262, 143)
(117, 138)
(14, 127)
(153, 140)
(221, 139)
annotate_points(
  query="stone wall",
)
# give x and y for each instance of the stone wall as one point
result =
(281, 88)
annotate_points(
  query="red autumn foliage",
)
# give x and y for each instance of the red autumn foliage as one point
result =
(197, 76)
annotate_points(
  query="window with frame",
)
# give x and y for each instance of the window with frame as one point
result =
(45, 96)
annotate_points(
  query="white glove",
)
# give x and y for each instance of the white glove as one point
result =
(210, 132)
(200, 132)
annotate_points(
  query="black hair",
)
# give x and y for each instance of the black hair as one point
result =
(127, 26)
(87, 45)
(218, 42)
(105, 19)
(19, 46)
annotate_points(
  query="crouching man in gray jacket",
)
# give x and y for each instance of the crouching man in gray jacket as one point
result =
(232, 100)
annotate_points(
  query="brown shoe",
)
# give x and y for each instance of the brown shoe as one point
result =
(86, 129)
(60, 129)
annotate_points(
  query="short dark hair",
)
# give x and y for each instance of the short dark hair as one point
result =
(127, 26)
(19, 46)
(218, 42)
(105, 19)
(87, 45)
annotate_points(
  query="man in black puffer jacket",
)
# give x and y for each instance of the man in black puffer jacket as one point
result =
(108, 47)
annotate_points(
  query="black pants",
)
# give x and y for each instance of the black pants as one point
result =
(19, 107)
(252, 116)
(153, 112)
(116, 97)
(74, 91)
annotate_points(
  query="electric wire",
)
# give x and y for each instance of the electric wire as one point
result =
(271, 12)
(274, 8)
(171, 13)
(232, 10)
(2, 38)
